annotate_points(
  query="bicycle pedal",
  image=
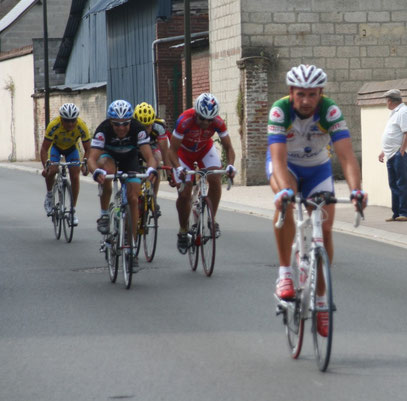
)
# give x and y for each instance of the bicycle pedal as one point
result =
(279, 310)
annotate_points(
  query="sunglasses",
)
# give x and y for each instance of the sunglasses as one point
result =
(69, 121)
(205, 119)
(121, 123)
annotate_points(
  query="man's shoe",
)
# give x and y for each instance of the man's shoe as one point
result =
(75, 219)
(157, 210)
(401, 218)
(217, 229)
(322, 321)
(391, 219)
(285, 288)
(48, 204)
(182, 243)
(103, 224)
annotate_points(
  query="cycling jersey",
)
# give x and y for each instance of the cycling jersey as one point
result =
(194, 138)
(307, 139)
(63, 139)
(158, 132)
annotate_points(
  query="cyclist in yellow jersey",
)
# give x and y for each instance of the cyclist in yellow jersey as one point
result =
(62, 138)
(156, 129)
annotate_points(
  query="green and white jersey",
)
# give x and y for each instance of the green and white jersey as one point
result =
(307, 139)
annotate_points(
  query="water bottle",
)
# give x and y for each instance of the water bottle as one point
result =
(303, 270)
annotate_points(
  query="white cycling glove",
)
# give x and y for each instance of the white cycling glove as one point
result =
(97, 172)
(180, 171)
(151, 170)
(231, 169)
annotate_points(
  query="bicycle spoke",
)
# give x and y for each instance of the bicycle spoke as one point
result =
(111, 243)
(150, 228)
(68, 212)
(57, 199)
(127, 247)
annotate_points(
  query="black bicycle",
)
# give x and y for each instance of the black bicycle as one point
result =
(62, 212)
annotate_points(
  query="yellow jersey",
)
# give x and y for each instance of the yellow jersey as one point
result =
(64, 139)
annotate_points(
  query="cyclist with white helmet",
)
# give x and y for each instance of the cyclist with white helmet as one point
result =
(119, 139)
(62, 137)
(191, 142)
(301, 129)
(156, 129)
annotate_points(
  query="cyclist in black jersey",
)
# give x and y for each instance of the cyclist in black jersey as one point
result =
(120, 140)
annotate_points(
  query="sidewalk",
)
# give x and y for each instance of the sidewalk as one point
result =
(258, 201)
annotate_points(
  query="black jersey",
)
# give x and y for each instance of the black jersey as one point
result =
(106, 139)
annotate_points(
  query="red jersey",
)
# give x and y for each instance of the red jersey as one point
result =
(194, 138)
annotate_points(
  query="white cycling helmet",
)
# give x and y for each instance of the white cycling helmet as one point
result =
(207, 106)
(306, 76)
(120, 109)
(69, 111)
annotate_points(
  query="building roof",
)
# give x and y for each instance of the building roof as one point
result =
(20, 8)
(104, 5)
(372, 93)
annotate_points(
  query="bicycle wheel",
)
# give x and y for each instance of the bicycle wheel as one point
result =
(294, 327)
(140, 231)
(127, 249)
(322, 335)
(150, 228)
(68, 212)
(111, 245)
(193, 247)
(207, 238)
(57, 201)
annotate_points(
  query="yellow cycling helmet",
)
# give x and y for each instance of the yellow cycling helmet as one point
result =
(144, 113)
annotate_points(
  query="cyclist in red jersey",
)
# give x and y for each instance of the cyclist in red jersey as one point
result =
(191, 142)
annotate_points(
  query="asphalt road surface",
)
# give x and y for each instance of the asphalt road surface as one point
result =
(67, 333)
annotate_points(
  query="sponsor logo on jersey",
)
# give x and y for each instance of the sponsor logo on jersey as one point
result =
(339, 126)
(276, 115)
(333, 113)
(275, 129)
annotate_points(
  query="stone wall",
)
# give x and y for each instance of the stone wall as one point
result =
(354, 42)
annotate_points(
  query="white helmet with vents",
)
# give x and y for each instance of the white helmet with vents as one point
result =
(207, 106)
(69, 111)
(306, 76)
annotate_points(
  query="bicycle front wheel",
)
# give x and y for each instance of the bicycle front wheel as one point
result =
(57, 202)
(68, 212)
(111, 245)
(294, 327)
(193, 246)
(127, 247)
(322, 312)
(207, 237)
(150, 228)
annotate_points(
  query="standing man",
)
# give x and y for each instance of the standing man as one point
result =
(191, 142)
(394, 144)
(62, 138)
(300, 128)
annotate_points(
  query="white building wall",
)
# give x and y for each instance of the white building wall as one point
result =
(20, 120)
(225, 49)
(374, 173)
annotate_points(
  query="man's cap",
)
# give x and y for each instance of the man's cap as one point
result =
(393, 94)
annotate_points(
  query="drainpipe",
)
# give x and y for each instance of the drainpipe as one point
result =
(165, 40)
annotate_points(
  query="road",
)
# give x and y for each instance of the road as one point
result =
(67, 333)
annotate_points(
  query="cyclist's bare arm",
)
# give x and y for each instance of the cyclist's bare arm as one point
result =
(173, 151)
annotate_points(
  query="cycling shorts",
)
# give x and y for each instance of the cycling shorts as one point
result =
(205, 159)
(71, 154)
(309, 179)
(127, 163)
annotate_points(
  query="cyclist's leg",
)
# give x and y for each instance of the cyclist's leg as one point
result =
(107, 163)
(158, 159)
(54, 156)
(74, 172)
(210, 160)
(133, 192)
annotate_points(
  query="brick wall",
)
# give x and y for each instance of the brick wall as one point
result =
(169, 66)
(200, 74)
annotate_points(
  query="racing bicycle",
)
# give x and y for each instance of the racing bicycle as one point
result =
(119, 244)
(311, 276)
(202, 233)
(62, 212)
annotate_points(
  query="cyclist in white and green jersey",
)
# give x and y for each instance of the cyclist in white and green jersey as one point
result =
(302, 128)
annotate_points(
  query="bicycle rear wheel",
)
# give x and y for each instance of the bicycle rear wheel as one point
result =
(68, 212)
(150, 228)
(128, 246)
(193, 246)
(208, 239)
(322, 333)
(57, 201)
(111, 245)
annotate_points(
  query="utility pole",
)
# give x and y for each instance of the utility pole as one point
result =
(187, 54)
(46, 72)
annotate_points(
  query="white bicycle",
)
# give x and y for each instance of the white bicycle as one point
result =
(311, 276)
